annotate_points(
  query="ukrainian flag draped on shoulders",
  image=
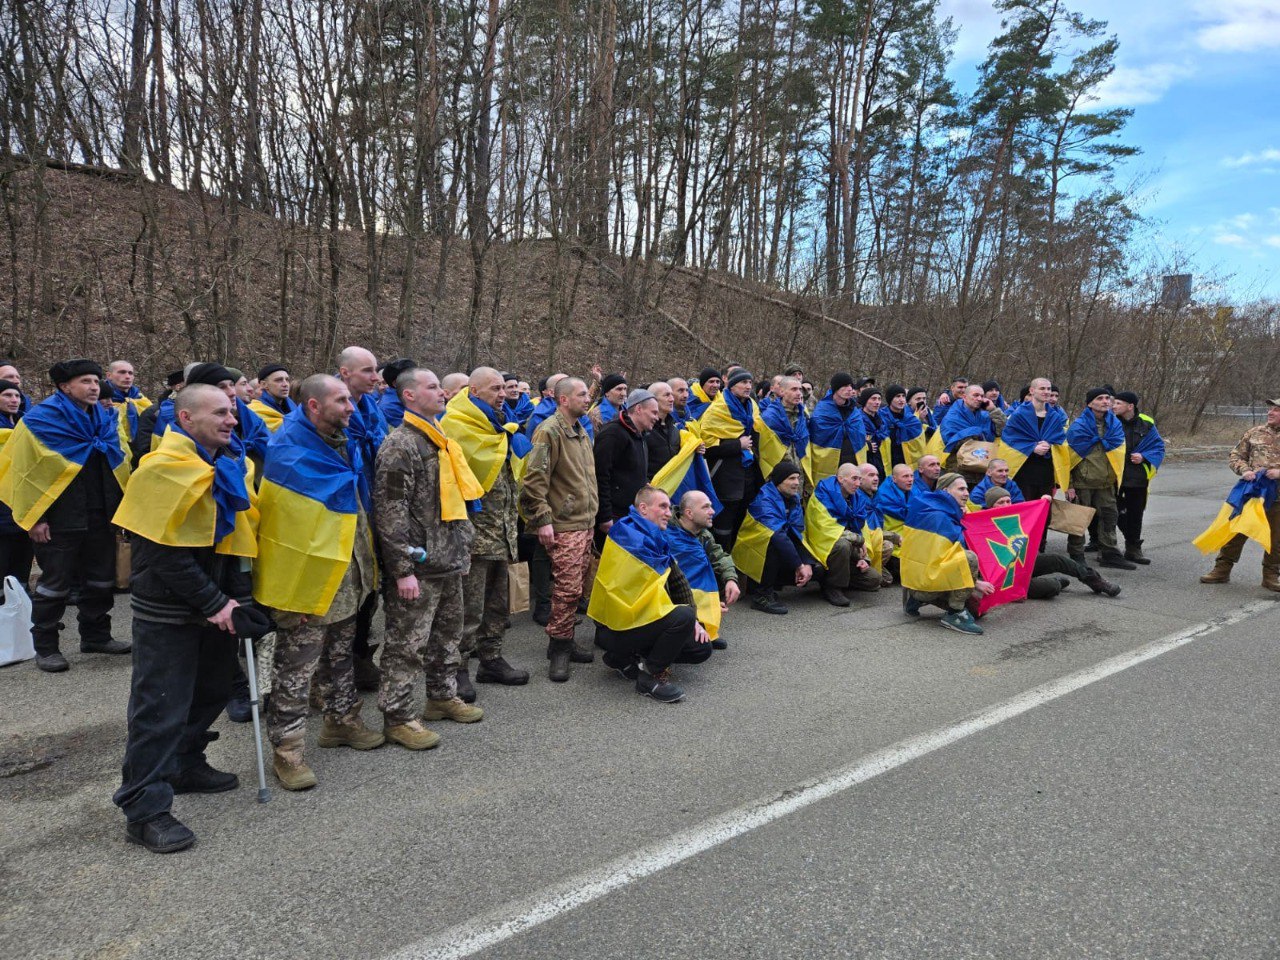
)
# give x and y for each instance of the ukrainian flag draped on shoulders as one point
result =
(518, 411)
(128, 404)
(729, 418)
(271, 411)
(691, 558)
(871, 526)
(698, 401)
(47, 450)
(907, 432)
(932, 555)
(792, 437)
(631, 580)
(1083, 434)
(1244, 512)
(891, 506)
(1023, 431)
(687, 470)
(183, 496)
(768, 514)
(488, 437)
(827, 515)
(828, 430)
(545, 408)
(309, 501)
(1151, 446)
(963, 423)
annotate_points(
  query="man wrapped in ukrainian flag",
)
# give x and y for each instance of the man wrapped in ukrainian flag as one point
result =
(771, 548)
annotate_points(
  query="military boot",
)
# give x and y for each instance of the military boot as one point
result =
(1221, 572)
(582, 652)
(466, 690)
(289, 767)
(1271, 578)
(497, 670)
(558, 651)
(349, 732)
(412, 735)
(454, 710)
(1133, 552)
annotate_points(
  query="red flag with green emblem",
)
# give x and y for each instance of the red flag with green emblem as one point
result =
(1007, 541)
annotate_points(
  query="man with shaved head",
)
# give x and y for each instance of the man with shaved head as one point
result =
(558, 501)
(693, 518)
(452, 383)
(484, 588)
(663, 439)
(834, 504)
(680, 399)
(358, 369)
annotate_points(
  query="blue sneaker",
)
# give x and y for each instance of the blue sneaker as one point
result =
(962, 622)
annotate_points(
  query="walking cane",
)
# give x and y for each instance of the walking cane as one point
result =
(251, 667)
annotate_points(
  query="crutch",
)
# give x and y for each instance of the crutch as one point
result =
(251, 667)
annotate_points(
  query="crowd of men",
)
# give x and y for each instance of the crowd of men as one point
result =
(297, 504)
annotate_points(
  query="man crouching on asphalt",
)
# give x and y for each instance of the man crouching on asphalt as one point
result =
(643, 602)
(190, 575)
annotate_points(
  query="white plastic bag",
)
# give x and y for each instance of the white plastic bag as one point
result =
(15, 624)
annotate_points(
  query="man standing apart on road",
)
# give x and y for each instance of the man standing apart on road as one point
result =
(420, 499)
(190, 511)
(315, 568)
(1257, 452)
(476, 421)
(559, 502)
(63, 473)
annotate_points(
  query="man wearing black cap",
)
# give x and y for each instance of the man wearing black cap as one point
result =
(787, 561)
(273, 403)
(72, 533)
(704, 391)
(613, 392)
(189, 604)
(1144, 451)
(1091, 436)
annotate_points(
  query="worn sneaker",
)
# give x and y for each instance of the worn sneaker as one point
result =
(164, 834)
(239, 710)
(106, 646)
(203, 778)
(1115, 559)
(454, 710)
(767, 602)
(658, 685)
(52, 662)
(720, 643)
(834, 596)
(910, 605)
(626, 667)
(961, 622)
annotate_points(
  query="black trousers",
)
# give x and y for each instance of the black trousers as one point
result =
(361, 648)
(181, 682)
(16, 554)
(781, 561)
(661, 643)
(87, 559)
(1132, 504)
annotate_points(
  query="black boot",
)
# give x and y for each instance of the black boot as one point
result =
(497, 670)
(541, 613)
(164, 834)
(558, 651)
(1115, 559)
(582, 652)
(466, 692)
(203, 778)
(1097, 584)
(1133, 552)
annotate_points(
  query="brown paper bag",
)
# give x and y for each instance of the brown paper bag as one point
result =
(517, 587)
(1070, 518)
(124, 561)
(975, 454)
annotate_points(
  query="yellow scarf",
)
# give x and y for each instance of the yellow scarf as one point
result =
(485, 450)
(457, 483)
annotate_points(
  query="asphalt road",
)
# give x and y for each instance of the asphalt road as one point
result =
(1133, 817)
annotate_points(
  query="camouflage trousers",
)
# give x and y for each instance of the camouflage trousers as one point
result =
(842, 566)
(422, 635)
(570, 557)
(951, 600)
(486, 602)
(300, 650)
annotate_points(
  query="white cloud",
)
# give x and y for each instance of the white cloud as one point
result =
(1132, 86)
(1248, 159)
(1272, 241)
(1231, 240)
(1239, 25)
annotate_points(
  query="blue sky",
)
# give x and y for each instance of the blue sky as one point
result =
(1203, 77)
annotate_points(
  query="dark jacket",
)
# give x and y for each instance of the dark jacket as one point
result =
(7, 526)
(732, 479)
(184, 584)
(663, 443)
(140, 445)
(1135, 474)
(622, 467)
(91, 498)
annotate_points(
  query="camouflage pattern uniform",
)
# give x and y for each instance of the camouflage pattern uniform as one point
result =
(484, 589)
(423, 634)
(952, 601)
(1095, 484)
(320, 649)
(1258, 450)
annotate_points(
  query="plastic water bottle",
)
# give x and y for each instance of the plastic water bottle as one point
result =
(416, 554)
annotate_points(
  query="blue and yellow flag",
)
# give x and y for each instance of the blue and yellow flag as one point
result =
(729, 418)
(828, 514)
(1151, 446)
(932, 555)
(698, 401)
(691, 558)
(1083, 434)
(686, 471)
(49, 447)
(768, 514)
(631, 580)
(871, 526)
(545, 408)
(309, 502)
(518, 411)
(794, 438)
(907, 432)
(963, 424)
(181, 496)
(127, 404)
(488, 438)
(828, 430)
(1244, 512)
(391, 407)
(891, 505)
(459, 487)
(271, 411)
(1023, 431)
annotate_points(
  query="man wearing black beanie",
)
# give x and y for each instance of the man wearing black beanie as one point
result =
(1144, 452)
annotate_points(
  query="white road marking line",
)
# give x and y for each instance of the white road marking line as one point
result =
(515, 918)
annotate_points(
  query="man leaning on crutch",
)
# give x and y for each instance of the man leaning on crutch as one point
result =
(190, 512)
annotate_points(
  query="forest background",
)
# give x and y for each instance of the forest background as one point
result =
(651, 185)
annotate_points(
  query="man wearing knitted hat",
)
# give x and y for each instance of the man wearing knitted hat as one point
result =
(770, 548)
(1097, 447)
(613, 393)
(1144, 452)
